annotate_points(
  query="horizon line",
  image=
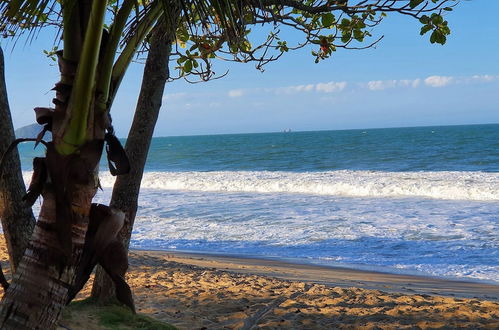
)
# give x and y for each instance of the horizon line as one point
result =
(322, 130)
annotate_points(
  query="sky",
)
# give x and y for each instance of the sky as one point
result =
(403, 81)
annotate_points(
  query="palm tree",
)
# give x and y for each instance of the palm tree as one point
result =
(126, 188)
(17, 218)
(80, 122)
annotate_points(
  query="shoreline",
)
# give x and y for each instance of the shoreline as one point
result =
(333, 275)
(193, 291)
(336, 265)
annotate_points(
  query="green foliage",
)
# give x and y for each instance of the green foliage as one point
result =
(224, 29)
(415, 3)
(327, 20)
(438, 25)
(51, 53)
(118, 317)
(208, 29)
(109, 316)
(82, 94)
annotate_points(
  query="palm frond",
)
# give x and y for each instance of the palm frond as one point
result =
(18, 16)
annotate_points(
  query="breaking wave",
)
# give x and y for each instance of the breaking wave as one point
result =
(482, 186)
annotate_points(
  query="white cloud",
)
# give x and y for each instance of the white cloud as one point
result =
(292, 89)
(431, 81)
(438, 81)
(330, 87)
(484, 78)
(307, 88)
(236, 92)
(379, 85)
(373, 85)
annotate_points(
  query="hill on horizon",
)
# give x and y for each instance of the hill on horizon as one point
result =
(31, 131)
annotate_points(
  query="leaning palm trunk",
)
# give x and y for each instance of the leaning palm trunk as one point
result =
(17, 218)
(126, 188)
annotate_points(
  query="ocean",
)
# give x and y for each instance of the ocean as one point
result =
(422, 200)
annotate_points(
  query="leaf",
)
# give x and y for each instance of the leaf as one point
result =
(347, 35)
(327, 19)
(437, 19)
(440, 37)
(424, 19)
(445, 30)
(182, 33)
(415, 3)
(433, 37)
(248, 17)
(358, 35)
(188, 66)
(245, 46)
(425, 29)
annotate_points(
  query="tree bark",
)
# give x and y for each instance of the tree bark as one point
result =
(126, 188)
(40, 285)
(17, 218)
(47, 271)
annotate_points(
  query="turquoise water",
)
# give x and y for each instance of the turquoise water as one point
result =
(450, 148)
(412, 200)
(445, 148)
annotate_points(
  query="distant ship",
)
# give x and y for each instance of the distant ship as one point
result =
(287, 130)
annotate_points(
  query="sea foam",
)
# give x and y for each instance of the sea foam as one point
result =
(296, 215)
(480, 186)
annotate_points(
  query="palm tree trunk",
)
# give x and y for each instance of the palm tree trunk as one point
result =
(126, 188)
(17, 218)
(47, 271)
(40, 286)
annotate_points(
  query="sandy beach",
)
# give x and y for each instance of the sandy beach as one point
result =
(193, 291)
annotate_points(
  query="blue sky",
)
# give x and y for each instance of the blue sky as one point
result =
(404, 81)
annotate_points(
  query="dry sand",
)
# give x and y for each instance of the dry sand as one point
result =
(205, 292)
